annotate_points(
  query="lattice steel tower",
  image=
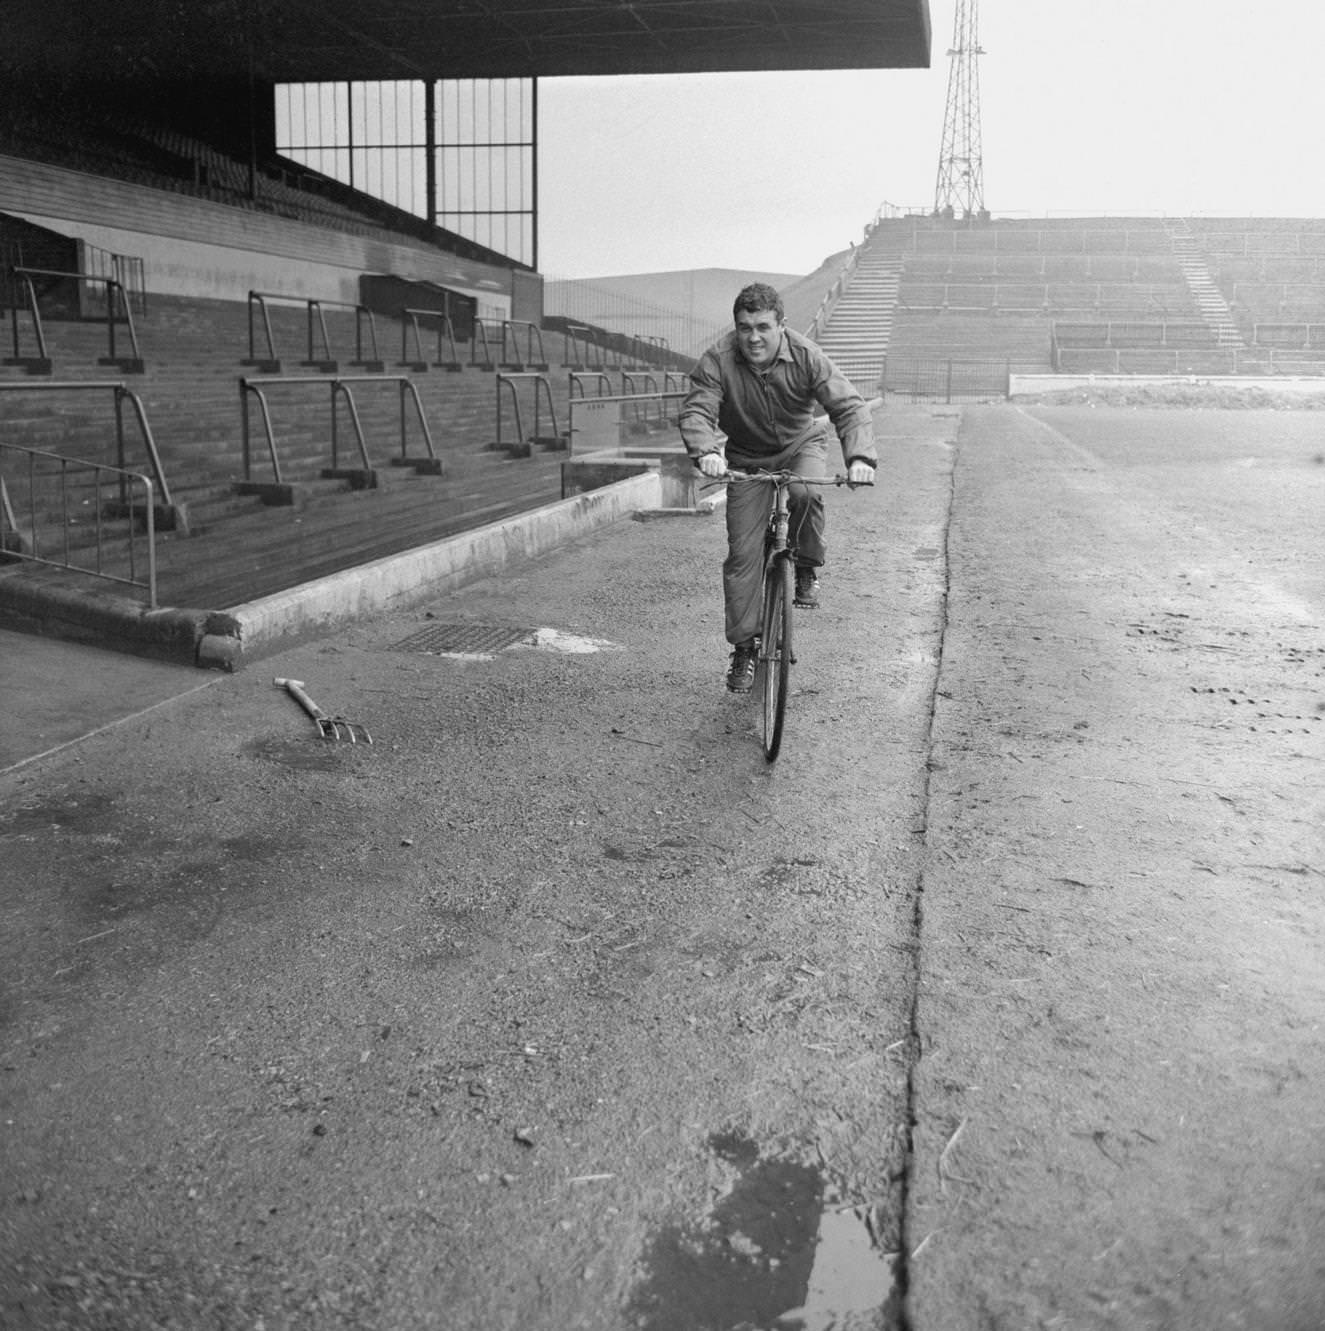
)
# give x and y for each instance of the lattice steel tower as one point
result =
(960, 190)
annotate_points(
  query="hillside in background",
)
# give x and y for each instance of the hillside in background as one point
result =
(801, 298)
(702, 294)
(688, 306)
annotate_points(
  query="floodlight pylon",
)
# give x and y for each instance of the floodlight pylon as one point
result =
(960, 189)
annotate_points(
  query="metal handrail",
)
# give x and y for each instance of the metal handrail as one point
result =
(577, 335)
(636, 404)
(122, 395)
(445, 330)
(361, 312)
(576, 380)
(41, 363)
(258, 385)
(836, 290)
(630, 386)
(481, 336)
(542, 389)
(638, 353)
(260, 299)
(510, 336)
(838, 287)
(16, 543)
(126, 269)
(131, 365)
(317, 327)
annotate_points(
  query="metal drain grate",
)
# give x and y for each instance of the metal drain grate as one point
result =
(470, 638)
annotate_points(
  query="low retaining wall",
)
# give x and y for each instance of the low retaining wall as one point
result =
(107, 620)
(221, 639)
(423, 573)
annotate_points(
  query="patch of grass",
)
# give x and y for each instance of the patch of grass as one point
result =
(1254, 397)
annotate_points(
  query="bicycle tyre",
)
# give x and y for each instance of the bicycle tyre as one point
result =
(775, 649)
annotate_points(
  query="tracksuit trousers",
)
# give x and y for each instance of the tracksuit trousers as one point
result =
(748, 510)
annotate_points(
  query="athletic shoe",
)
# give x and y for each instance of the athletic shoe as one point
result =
(807, 588)
(741, 672)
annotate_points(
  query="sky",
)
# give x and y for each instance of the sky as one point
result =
(1147, 107)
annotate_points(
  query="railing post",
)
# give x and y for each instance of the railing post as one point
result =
(373, 362)
(151, 545)
(521, 447)
(110, 320)
(418, 364)
(543, 388)
(445, 328)
(177, 512)
(119, 445)
(335, 453)
(245, 451)
(272, 365)
(42, 364)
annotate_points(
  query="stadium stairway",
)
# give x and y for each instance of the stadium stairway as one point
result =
(238, 547)
(860, 325)
(1209, 299)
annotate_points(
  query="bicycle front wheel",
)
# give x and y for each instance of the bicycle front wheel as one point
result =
(775, 651)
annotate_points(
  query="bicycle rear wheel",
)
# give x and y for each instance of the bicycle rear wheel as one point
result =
(775, 652)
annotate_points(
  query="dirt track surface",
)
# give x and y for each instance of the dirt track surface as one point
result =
(1122, 988)
(557, 1007)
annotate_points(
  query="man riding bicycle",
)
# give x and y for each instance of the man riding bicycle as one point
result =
(759, 386)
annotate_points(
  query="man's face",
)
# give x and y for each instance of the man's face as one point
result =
(759, 335)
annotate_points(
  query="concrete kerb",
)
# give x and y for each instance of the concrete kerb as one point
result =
(261, 626)
(167, 633)
(220, 640)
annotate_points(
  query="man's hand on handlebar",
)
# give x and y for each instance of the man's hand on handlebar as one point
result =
(712, 464)
(860, 473)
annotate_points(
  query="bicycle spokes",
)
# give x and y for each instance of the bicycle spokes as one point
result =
(775, 653)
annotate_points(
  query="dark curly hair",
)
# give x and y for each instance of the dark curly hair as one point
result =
(758, 296)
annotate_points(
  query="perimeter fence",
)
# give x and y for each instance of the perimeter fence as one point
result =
(938, 379)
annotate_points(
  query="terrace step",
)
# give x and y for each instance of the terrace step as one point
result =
(190, 393)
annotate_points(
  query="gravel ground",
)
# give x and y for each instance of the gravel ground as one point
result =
(558, 1007)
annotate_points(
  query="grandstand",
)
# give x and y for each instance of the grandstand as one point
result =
(260, 488)
(980, 299)
(251, 338)
(312, 377)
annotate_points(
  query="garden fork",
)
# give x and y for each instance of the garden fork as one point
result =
(329, 727)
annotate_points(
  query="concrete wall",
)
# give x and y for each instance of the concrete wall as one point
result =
(196, 248)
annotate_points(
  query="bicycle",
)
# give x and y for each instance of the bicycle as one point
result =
(777, 597)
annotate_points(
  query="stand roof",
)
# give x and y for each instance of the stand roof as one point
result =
(329, 40)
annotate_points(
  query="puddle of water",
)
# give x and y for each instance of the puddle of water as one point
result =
(768, 1255)
(304, 755)
(850, 1278)
(90, 813)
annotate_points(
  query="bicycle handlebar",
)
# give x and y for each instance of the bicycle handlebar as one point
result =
(783, 477)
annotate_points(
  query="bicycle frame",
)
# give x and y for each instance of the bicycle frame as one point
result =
(779, 520)
(776, 656)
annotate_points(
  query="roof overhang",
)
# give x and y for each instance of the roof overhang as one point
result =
(300, 41)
